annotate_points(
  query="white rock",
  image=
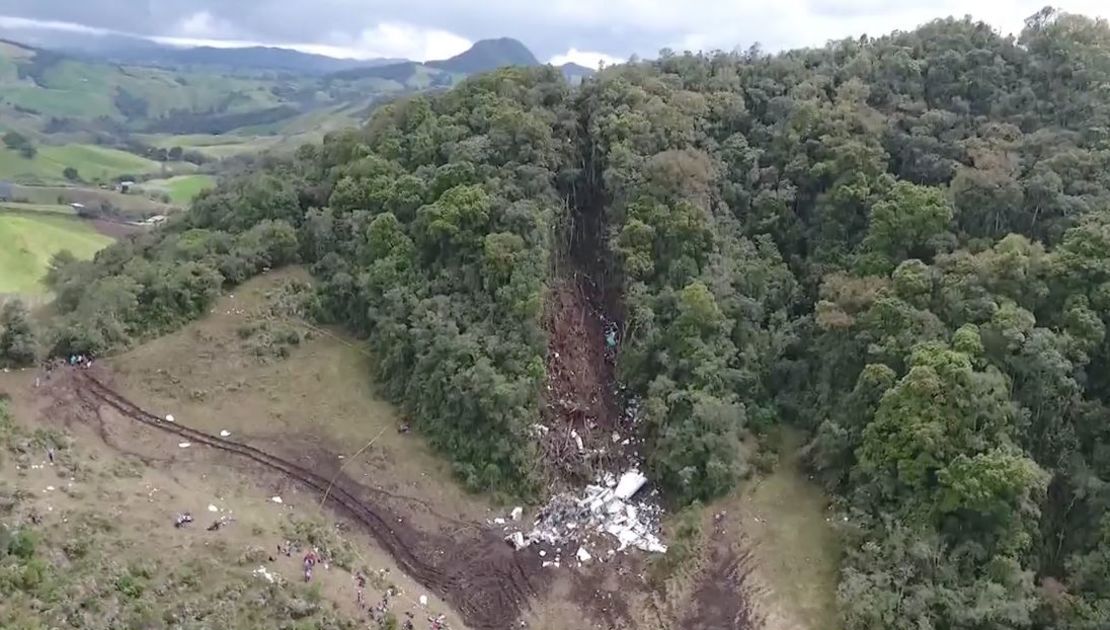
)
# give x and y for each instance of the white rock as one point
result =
(184, 444)
(276, 499)
(225, 433)
(499, 521)
(583, 555)
(169, 417)
(212, 508)
(423, 600)
(515, 514)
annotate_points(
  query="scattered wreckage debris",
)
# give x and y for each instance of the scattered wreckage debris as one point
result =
(267, 575)
(599, 509)
(183, 519)
(220, 522)
(485, 582)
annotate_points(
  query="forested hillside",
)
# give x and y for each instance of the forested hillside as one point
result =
(900, 245)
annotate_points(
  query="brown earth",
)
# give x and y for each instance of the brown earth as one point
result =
(473, 570)
(580, 398)
(115, 229)
(316, 412)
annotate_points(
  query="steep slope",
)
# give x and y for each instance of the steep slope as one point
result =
(896, 245)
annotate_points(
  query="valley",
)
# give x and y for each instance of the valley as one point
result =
(801, 340)
(76, 126)
(119, 477)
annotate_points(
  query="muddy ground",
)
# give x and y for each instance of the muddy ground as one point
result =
(469, 566)
(316, 410)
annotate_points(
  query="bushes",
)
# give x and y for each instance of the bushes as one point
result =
(17, 340)
(135, 290)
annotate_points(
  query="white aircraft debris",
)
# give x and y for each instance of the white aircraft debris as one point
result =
(184, 444)
(598, 509)
(629, 484)
(276, 500)
(264, 574)
(225, 433)
(213, 508)
(516, 513)
(577, 440)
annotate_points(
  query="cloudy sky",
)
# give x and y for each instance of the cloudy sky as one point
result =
(584, 31)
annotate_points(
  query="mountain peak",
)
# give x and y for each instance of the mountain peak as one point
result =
(488, 54)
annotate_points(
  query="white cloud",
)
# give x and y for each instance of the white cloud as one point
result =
(428, 29)
(587, 58)
(390, 40)
(204, 25)
(191, 42)
(7, 21)
(395, 39)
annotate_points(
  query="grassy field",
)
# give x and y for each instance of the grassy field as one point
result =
(785, 520)
(181, 189)
(96, 545)
(318, 402)
(322, 395)
(135, 206)
(27, 241)
(50, 208)
(216, 147)
(93, 163)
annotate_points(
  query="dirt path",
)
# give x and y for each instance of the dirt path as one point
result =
(476, 573)
(583, 407)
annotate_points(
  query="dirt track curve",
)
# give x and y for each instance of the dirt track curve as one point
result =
(482, 579)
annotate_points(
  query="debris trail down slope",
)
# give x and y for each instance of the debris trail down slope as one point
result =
(482, 579)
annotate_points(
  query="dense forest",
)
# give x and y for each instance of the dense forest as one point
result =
(900, 245)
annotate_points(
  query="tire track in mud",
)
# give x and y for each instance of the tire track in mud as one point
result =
(481, 579)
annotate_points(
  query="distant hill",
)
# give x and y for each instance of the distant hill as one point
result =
(128, 85)
(254, 58)
(401, 71)
(483, 56)
(575, 73)
(488, 54)
(131, 50)
(211, 103)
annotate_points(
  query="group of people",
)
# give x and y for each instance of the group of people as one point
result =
(81, 360)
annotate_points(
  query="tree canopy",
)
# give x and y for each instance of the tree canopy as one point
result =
(900, 245)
